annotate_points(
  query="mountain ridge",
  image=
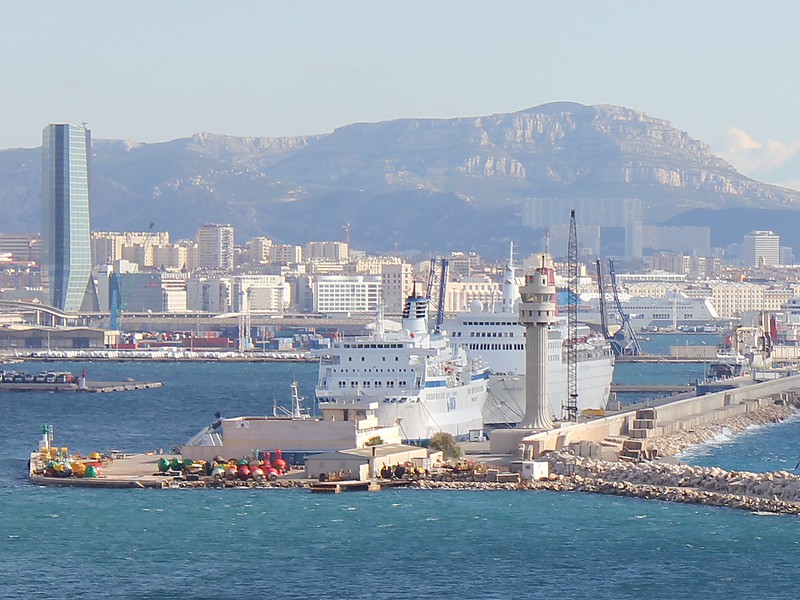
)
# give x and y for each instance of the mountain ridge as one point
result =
(468, 171)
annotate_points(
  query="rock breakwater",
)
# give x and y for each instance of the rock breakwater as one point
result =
(679, 441)
(776, 492)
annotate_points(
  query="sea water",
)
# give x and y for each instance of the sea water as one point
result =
(70, 543)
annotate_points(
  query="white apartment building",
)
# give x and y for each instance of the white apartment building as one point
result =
(731, 299)
(173, 295)
(134, 246)
(285, 254)
(262, 293)
(762, 248)
(325, 267)
(462, 264)
(258, 250)
(209, 294)
(215, 247)
(459, 295)
(341, 294)
(331, 251)
(701, 267)
(397, 283)
(23, 247)
(371, 265)
(171, 256)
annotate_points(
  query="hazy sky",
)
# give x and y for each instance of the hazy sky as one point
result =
(725, 71)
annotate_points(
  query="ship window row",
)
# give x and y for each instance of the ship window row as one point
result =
(491, 323)
(369, 384)
(373, 345)
(363, 359)
(496, 346)
(491, 334)
(370, 370)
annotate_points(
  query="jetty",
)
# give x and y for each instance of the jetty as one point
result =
(96, 387)
(626, 388)
(376, 485)
(661, 358)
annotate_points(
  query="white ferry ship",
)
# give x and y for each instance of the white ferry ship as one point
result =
(496, 338)
(420, 381)
(672, 310)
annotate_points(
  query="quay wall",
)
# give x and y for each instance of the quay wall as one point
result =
(671, 416)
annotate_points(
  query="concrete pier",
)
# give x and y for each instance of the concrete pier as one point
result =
(91, 386)
(670, 415)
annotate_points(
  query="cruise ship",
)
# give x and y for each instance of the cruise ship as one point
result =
(495, 337)
(418, 379)
(674, 309)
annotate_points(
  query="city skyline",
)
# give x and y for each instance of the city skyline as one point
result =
(160, 72)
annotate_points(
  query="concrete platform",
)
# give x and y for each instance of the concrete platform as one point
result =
(136, 471)
(91, 386)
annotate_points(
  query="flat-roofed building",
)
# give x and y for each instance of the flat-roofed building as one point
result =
(762, 248)
(332, 251)
(209, 294)
(342, 294)
(23, 247)
(285, 254)
(215, 246)
(258, 250)
(262, 293)
(397, 283)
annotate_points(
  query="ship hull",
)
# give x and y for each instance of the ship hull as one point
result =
(505, 404)
(456, 410)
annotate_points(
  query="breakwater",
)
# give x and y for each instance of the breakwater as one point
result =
(679, 441)
(775, 492)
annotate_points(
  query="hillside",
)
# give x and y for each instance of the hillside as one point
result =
(429, 184)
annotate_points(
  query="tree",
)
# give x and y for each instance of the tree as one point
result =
(446, 443)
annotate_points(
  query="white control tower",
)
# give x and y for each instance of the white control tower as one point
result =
(537, 312)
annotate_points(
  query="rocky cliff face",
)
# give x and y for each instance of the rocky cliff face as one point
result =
(370, 175)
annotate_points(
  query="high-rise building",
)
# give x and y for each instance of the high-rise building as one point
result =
(66, 239)
(326, 251)
(762, 248)
(215, 247)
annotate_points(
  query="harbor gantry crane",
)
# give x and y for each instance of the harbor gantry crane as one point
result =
(570, 406)
(438, 282)
(628, 344)
(445, 270)
(601, 286)
(624, 341)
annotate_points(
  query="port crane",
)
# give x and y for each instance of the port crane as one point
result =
(570, 405)
(441, 289)
(624, 342)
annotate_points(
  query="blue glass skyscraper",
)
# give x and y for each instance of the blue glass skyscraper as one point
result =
(66, 237)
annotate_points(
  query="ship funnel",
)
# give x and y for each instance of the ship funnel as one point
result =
(415, 315)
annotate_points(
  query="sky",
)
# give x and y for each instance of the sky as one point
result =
(724, 71)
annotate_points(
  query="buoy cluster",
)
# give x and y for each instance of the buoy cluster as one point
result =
(229, 469)
(57, 462)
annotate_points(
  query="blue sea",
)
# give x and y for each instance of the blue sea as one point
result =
(79, 543)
